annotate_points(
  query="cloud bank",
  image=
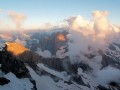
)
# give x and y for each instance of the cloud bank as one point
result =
(90, 36)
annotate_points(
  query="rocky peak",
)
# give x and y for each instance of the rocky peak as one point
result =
(15, 48)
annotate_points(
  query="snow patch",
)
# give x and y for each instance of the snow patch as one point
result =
(17, 84)
(107, 75)
(45, 53)
(2, 45)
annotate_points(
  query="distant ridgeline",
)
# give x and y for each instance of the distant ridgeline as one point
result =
(51, 42)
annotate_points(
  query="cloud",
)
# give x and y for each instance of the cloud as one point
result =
(17, 18)
(101, 24)
(90, 36)
(77, 22)
(22, 42)
(0, 13)
(6, 37)
(46, 26)
(1, 10)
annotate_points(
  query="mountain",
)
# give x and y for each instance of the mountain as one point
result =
(55, 73)
(15, 48)
(75, 54)
(84, 56)
(50, 41)
(13, 73)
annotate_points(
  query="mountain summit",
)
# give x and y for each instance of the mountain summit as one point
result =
(15, 48)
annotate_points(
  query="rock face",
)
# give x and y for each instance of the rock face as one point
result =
(10, 63)
(51, 42)
(4, 81)
(17, 55)
(15, 48)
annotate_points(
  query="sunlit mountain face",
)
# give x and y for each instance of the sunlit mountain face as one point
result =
(61, 37)
(15, 48)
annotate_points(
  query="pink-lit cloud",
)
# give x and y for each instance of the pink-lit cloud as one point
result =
(17, 18)
(91, 35)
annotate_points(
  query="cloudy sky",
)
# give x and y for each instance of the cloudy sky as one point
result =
(33, 13)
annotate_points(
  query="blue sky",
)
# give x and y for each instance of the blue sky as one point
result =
(41, 11)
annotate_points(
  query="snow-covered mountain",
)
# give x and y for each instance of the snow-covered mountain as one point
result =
(98, 72)
(50, 41)
(84, 55)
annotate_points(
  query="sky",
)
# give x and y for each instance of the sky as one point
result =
(38, 12)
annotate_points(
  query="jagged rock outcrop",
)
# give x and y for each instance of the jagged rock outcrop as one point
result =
(10, 63)
(59, 70)
(4, 81)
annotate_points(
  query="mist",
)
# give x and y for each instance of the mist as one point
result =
(17, 18)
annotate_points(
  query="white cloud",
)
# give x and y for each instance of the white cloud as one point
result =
(22, 42)
(101, 24)
(77, 22)
(90, 36)
(17, 18)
